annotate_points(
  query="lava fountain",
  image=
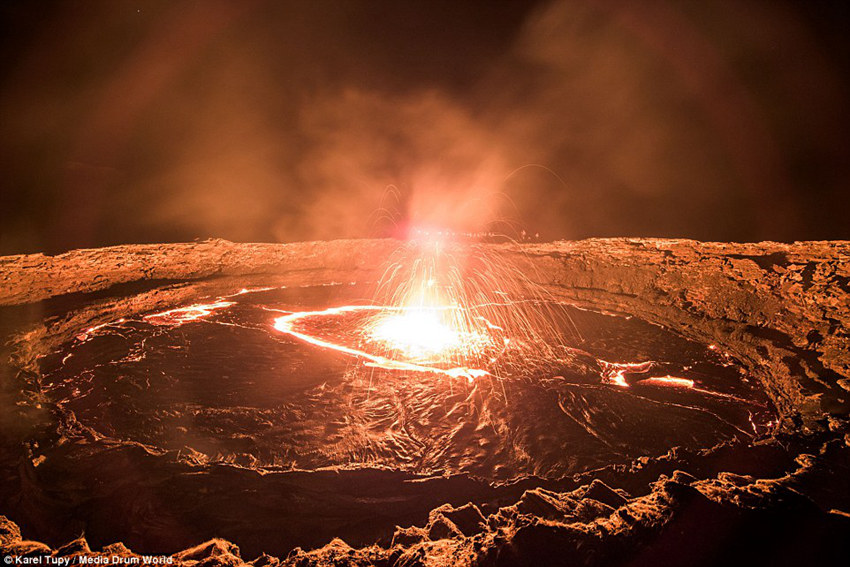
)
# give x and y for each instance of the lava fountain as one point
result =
(444, 308)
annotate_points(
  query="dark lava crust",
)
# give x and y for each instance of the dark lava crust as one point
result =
(782, 310)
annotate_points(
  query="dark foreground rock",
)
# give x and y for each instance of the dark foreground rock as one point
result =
(729, 519)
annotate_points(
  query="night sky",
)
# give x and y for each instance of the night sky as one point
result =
(130, 121)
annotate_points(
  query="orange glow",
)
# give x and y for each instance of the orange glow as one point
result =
(673, 381)
(430, 320)
(446, 308)
(423, 333)
(86, 334)
(288, 324)
(614, 373)
(182, 315)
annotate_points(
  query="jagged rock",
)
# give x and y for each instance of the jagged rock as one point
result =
(408, 536)
(466, 519)
(265, 560)
(11, 543)
(78, 546)
(683, 477)
(9, 531)
(117, 549)
(601, 492)
(439, 527)
(337, 552)
(546, 544)
(222, 551)
(26, 548)
(545, 504)
(589, 509)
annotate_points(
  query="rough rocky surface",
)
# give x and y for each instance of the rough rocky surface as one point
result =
(781, 309)
(32, 277)
(728, 518)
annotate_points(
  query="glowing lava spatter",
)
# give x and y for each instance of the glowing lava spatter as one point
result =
(442, 308)
(423, 333)
(289, 324)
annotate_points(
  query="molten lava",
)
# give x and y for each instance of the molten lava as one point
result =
(187, 314)
(418, 333)
(445, 308)
(407, 340)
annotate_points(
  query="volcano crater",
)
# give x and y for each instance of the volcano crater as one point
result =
(164, 412)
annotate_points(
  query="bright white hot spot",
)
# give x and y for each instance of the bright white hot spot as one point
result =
(417, 333)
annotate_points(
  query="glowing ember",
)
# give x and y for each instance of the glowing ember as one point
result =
(85, 335)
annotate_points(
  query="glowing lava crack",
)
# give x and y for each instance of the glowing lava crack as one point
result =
(419, 334)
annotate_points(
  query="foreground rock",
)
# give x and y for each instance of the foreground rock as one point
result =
(726, 519)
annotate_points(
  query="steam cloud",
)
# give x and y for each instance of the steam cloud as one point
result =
(288, 122)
